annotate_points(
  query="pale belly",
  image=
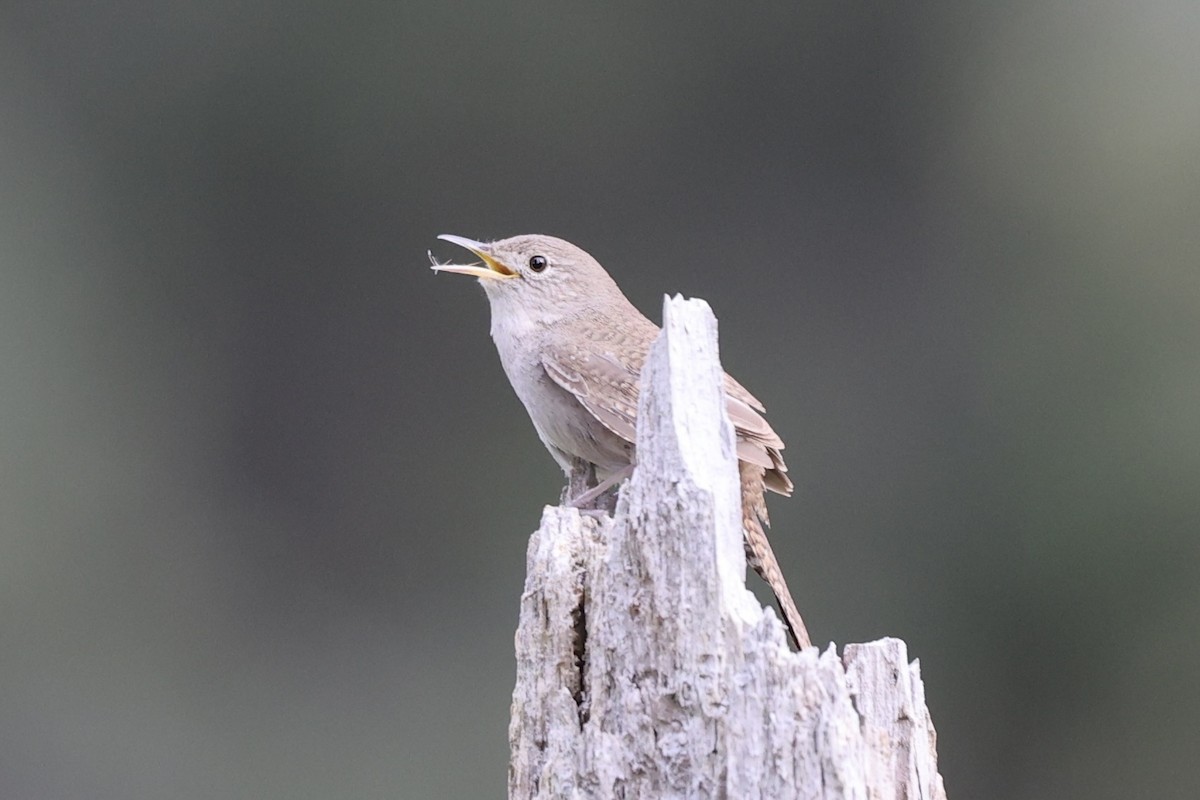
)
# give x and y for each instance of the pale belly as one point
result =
(569, 430)
(566, 428)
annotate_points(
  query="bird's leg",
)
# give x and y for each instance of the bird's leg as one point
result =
(581, 489)
(581, 477)
(585, 499)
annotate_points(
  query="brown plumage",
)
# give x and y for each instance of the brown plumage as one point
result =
(759, 554)
(573, 348)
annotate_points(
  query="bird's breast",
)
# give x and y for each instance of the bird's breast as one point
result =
(562, 423)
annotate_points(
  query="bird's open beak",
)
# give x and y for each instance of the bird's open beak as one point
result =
(492, 270)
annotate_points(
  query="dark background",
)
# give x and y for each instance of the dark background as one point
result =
(264, 489)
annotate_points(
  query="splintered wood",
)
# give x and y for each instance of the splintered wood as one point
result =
(646, 669)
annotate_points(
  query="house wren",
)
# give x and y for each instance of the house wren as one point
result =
(573, 348)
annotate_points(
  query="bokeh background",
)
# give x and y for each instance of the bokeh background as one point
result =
(265, 492)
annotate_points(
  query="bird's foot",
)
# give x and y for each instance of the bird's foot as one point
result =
(603, 496)
(581, 478)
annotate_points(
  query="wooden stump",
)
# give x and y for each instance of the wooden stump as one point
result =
(646, 669)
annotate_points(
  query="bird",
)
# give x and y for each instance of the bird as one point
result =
(573, 346)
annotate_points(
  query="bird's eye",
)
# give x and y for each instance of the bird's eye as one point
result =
(538, 263)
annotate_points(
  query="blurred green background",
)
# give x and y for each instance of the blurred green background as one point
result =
(264, 489)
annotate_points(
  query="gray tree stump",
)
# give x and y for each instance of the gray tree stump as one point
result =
(646, 669)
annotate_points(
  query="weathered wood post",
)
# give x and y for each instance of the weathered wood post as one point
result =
(646, 669)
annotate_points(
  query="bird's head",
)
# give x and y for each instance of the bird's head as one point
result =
(535, 273)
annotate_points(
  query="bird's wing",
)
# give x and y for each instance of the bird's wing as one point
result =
(600, 382)
(607, 386)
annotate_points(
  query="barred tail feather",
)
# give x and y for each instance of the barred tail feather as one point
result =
(758, 550)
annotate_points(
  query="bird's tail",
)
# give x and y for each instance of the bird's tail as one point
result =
(758, 550)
